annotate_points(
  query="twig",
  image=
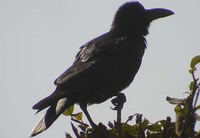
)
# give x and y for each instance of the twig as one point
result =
(139, 121)
(196, 98)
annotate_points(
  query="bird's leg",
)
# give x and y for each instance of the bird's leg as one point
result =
(118, 102)
(83, 106)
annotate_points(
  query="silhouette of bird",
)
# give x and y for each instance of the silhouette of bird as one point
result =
(103, 67)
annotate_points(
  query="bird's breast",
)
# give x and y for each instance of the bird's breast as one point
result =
(119, 67)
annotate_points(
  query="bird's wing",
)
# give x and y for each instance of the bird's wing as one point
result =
(89, 55)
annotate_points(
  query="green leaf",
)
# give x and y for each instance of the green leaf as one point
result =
(145, 123)
(197, 108)
(69, 111)
(154, 128)
(162, 122)
(194, 62)
(180, 111)
(67, 135)
(191, 86)
(157, 135)
(78, 116)
(191, 71)
(131, 130)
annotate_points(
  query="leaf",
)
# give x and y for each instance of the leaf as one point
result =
(162, 122)
(110, 124)
(157, 135)
(67, 135)
(69, 111)
(154, 128)
(197, 117)
(191, 86)
(180, 111)
(197, 107)
(145, 123)
(195, 60)
(191, 71)
(131, 130)
(78, 116)
(175, 100)
(197, 135)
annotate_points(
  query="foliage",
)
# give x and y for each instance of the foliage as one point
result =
(183, 127)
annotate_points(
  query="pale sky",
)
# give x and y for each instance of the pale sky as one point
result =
(39, 40)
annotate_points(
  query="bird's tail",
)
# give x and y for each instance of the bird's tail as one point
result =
(54, 111)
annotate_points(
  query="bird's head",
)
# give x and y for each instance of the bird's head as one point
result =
(133, 19)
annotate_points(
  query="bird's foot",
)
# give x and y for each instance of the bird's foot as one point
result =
(119, 101)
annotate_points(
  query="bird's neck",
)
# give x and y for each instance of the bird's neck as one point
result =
(128, 33)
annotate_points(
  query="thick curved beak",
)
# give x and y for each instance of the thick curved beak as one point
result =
(153, 14)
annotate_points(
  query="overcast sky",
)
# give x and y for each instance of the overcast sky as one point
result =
(39, 40)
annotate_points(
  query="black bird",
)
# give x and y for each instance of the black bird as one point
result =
(104, 66)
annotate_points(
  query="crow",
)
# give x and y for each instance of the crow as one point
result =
(103, 67)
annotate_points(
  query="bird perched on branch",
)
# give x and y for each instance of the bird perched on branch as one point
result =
(103, 67)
